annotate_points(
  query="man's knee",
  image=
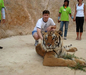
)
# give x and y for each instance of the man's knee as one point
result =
(36, 37)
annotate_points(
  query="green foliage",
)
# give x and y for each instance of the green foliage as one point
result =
(69, 56)
(79, 67)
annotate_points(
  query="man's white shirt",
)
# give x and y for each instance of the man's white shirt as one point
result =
(44, 25)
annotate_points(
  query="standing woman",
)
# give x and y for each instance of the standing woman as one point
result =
(79, 18)
(64, 13)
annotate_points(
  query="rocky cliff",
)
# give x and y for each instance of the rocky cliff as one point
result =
(22, 15)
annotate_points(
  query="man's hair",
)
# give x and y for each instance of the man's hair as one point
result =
(67, 2)
(78, 0)
(45, 12)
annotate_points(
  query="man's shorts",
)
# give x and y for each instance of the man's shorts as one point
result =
(0, 21)
(34, 31)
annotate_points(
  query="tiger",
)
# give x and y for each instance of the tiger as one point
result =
(53, 52)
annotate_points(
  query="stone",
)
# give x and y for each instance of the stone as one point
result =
(22, 15)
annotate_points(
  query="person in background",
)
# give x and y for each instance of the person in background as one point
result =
(2, 13)
(79, 18)
(64, 13)
(43, 24)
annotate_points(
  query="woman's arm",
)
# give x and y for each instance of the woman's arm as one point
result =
(84, 13)
(75, 13)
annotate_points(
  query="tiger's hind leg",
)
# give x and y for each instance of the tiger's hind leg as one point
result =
(81, 62)
(40, 51)
(50, 59)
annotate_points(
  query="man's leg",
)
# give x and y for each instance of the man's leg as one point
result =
(36, 37)
(61, 27)
(0, 46)
(66, 29)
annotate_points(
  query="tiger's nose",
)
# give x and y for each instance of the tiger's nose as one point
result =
(48, 44)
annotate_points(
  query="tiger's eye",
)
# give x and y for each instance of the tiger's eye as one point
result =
(56, 42)
(53, 38)
(56, 38)
(45, 38)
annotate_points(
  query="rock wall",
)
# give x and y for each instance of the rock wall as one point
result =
(22, 15)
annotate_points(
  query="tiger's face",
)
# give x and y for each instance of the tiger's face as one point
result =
(51, 40)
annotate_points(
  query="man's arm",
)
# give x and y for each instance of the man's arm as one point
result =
(59, 17)
(60, 11)
(51, 28)
(71, 16)
(3, 15)
(39, 33)
(3, 11)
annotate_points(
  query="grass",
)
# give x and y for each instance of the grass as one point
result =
(78, 65)
(69, 56)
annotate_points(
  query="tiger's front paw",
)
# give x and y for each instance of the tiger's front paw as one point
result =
(73, 49)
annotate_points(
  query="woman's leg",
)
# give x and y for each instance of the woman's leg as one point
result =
(77, 33)
(81, 27)
(77, 28)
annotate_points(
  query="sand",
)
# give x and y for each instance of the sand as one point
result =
(18, 57)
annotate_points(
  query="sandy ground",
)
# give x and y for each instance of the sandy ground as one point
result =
(18, 57)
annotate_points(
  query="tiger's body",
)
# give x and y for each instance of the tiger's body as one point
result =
(53, 51)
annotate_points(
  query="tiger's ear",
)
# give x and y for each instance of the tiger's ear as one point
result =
(59, 32)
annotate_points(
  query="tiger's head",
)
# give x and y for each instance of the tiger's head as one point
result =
(51, 40)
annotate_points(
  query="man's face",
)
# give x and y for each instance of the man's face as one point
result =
(66, 3)
(80, 0)
(45, 17)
